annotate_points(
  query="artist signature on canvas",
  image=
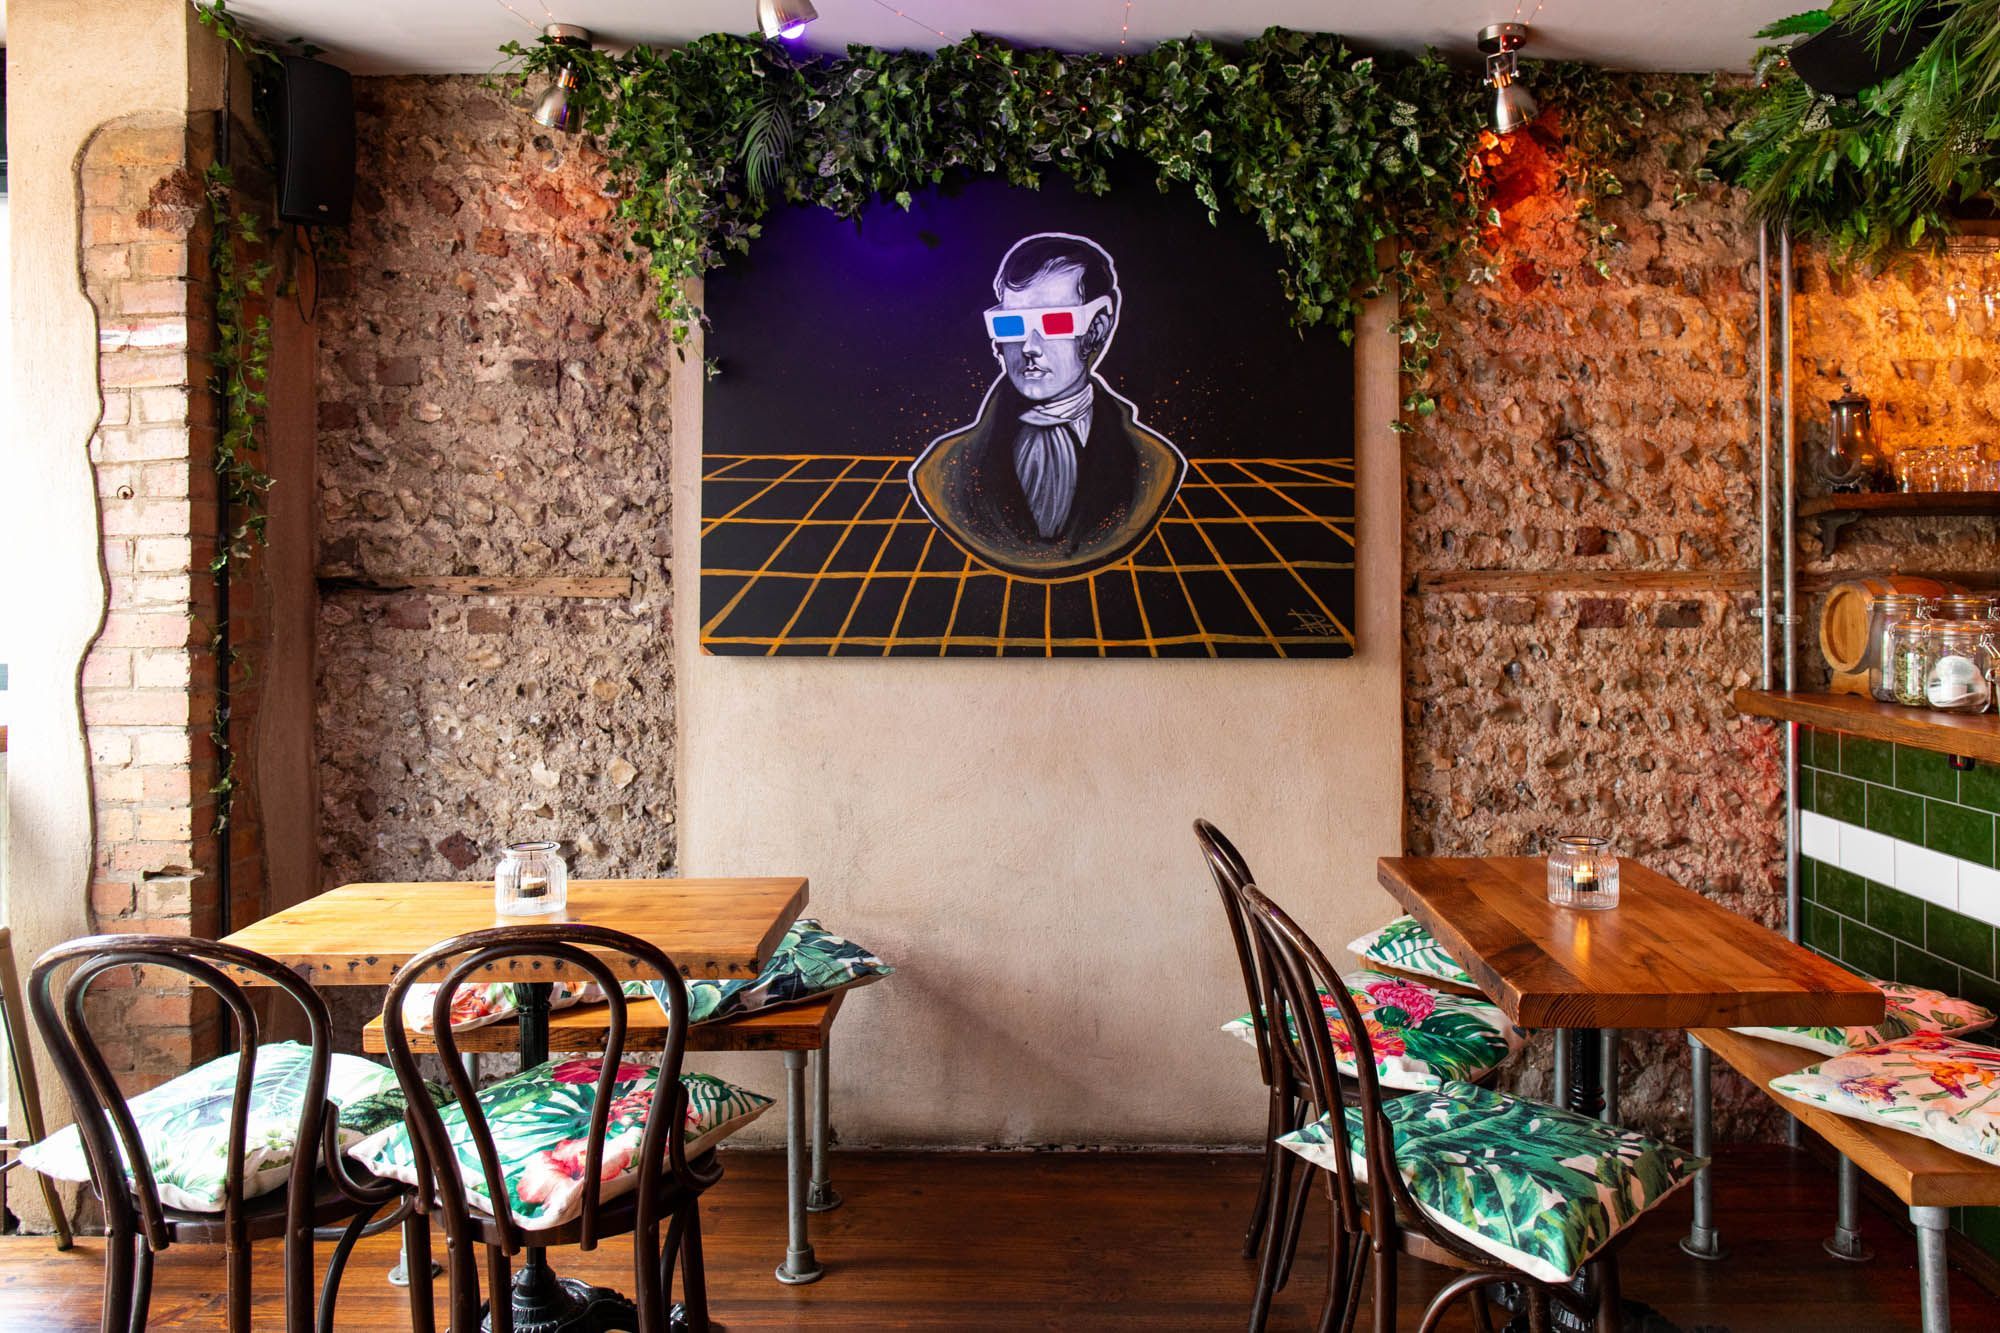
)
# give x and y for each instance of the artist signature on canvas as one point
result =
(1314, 622)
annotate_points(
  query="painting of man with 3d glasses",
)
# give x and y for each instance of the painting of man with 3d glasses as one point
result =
(1057, 477)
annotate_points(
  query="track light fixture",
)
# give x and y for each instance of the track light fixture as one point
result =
(1513, 106)
(784, 18)
(557, 110)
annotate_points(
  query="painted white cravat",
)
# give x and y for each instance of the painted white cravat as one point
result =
(1046, 453)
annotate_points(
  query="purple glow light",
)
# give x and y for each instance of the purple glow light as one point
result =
(791, 30)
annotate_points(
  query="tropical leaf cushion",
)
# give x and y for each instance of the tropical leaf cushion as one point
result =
(1421, 1036)
(1909, 1010)
(1536, 1187)
(540, 1122)
(1406, 945)
(494, 1002)
(809, 962)
(1930, 1085)
(184, 1124)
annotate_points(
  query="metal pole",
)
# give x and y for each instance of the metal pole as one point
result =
(821, 1197)
(800, 1266)
(1608, 1057)
(1790, 618)
(1932, 1288)
(1845, 1243)
(1764, 608)
(1701, 1240)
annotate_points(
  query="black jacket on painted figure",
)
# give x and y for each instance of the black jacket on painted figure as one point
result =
(1127, 476)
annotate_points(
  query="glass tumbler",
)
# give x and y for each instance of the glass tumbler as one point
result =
(1583, 873)
(532, 880)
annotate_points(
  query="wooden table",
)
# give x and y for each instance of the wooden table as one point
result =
(360, 934)
(1665, 957)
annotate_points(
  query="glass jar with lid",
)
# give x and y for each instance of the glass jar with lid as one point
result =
(1883, 613)
(1962, 606)
(1962, 668)
(1908, 665)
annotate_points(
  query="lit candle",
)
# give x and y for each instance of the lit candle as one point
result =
(1583, 877)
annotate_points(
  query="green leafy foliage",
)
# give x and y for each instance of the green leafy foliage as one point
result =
(1891, 167)
(1355, 167)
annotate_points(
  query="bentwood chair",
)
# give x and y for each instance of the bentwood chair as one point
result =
(137, 1225)
(1374, 1217)
(668, 1188)
(1282, 1074)
(26, 1107)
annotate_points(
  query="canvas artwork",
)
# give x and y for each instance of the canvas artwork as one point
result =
(1022, 423)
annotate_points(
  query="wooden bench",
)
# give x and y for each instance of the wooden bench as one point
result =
(792, 1030)
(1926, 1177)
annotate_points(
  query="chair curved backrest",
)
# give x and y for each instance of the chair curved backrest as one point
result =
(1302, 976)
(1231, 874)
(103, 1117)
(470, 958)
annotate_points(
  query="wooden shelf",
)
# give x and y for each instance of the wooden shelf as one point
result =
(1974, 735)
(1831, 513)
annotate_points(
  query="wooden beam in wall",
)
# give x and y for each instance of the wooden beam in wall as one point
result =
(1583, 580)
(482, 585)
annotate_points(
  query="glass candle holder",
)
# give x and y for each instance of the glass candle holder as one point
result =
(1583, 873)
(532, 880)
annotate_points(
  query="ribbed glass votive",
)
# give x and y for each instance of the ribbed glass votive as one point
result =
(1583, 873)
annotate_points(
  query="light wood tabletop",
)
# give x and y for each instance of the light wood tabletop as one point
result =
(1665, 957)
(359, 934)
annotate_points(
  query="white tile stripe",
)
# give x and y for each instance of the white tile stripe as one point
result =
(1949, 881)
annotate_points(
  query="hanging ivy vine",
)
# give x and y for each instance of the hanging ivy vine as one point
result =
(1892, 166)
(1361, 170)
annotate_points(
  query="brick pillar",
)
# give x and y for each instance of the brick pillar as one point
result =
(149, 682)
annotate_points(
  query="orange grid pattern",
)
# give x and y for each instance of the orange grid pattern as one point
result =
(829, 555)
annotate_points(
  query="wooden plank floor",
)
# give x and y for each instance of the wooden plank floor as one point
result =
(1083, 1241)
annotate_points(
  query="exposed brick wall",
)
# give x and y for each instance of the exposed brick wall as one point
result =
(150, 679)
(492, 400)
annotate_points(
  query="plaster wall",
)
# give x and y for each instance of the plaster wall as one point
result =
(142, 59)
(1016, 838)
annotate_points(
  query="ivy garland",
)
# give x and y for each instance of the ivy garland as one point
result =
(1363, 171)
(1891, 167)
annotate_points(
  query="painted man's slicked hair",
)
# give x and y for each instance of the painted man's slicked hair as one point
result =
(1036, 255)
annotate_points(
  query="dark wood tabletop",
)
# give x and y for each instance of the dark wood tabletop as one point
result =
(1665, 957)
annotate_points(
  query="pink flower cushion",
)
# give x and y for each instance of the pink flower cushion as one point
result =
(1936, 1087)
(475, 1006)
(1421, 1037)
(540, 1123)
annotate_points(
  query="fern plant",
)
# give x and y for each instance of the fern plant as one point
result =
(1888, 168)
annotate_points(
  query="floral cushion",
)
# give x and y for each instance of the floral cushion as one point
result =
(1536, 1187)
(184, 1124)
(1421, 1036)
(540, 1123)
(1933, 1086)
(493, 1002)
(809, 962)
(1406, 945)
(1909, 1010)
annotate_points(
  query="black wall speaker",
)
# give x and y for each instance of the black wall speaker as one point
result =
(1843, 60)
(315, 133)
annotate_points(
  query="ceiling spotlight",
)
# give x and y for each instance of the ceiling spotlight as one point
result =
(784, 18)
(1513, 107)
(557, 109)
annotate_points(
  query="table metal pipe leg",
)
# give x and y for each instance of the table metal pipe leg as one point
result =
(1608, 1057)
(800, 1267)
(1701, 1240)
(1845, 1243)
(1561, 1077)
(821, 1197)
(1932, 1286)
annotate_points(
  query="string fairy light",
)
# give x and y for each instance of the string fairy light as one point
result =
(523, 17)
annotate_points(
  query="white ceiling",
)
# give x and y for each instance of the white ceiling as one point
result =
(457, 36)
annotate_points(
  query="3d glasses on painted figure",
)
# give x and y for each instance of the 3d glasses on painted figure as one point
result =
(1004, 325)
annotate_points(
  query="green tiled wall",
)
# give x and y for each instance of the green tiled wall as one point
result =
(1919, 797)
